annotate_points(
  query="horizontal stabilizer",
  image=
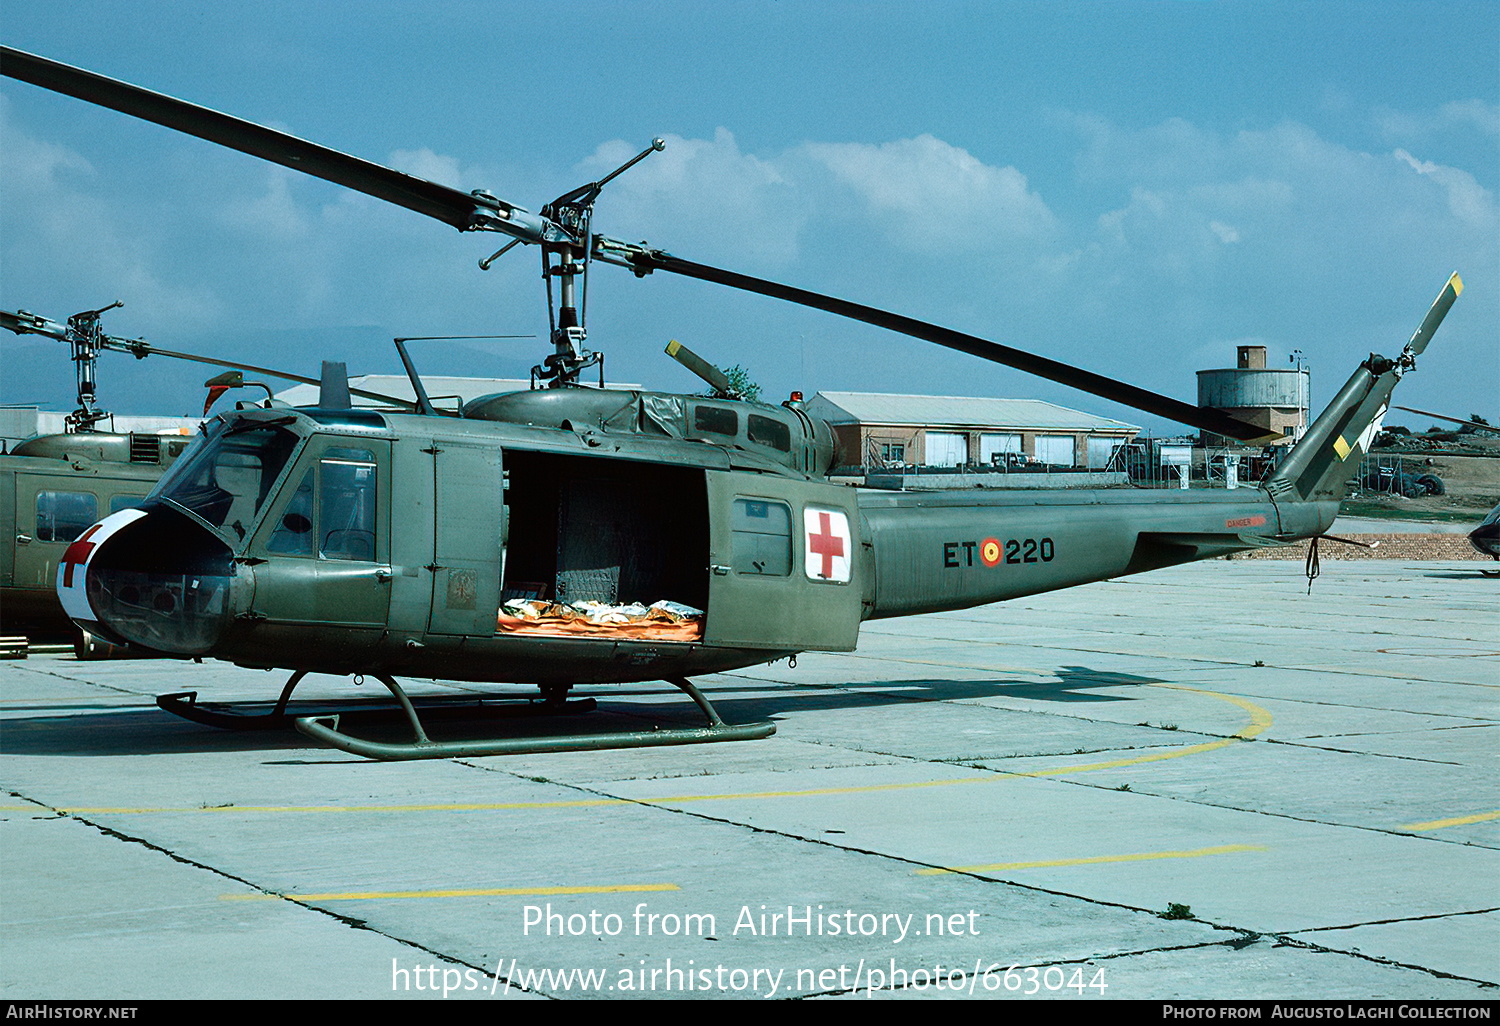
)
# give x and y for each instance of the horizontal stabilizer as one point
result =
(1156, 549)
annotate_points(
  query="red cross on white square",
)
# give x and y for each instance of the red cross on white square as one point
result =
(72, 569)
(828, 547)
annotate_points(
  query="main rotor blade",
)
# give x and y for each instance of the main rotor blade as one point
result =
(1475, 425)
(34, 325)
(439, 201)
(140, 350)
(1204, 418)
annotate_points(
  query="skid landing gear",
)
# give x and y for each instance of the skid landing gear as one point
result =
(325, 727)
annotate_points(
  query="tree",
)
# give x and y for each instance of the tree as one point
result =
(741, 385)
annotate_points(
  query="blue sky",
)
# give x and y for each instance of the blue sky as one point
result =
(1133, 187)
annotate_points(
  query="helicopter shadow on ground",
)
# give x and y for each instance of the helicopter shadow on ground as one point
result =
(156, 732)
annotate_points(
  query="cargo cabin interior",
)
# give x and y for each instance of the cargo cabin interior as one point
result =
(612, 531)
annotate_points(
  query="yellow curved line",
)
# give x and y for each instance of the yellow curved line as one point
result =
(1260, 720)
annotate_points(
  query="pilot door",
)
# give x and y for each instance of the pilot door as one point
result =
(785, 564)
(326, 542)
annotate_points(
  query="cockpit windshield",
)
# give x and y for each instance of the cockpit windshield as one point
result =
(227, 479)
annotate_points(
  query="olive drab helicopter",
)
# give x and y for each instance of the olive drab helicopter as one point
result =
(54, 486)
(464, 545)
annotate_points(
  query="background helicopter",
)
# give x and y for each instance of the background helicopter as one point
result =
(53, 486)
(352, 541)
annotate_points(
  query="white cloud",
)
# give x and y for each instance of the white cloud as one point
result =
(424, 163)
(708, 196)
(702, 197)
(1226, 233)
(1456, 115)
(1481, 115)
(1467, 199)
(936, 195)
(274, 214)
(1301, 202)
(33, 164)
(62, 236)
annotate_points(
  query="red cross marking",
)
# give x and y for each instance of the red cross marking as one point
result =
(827, 544)
(77, 555)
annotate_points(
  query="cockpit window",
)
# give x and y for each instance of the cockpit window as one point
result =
(293, 535)
(341, 523)
(346, 495)
(226, 480)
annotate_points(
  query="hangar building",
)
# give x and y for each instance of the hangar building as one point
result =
(879, 431)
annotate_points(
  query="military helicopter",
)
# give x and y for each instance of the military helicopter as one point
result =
(354, 541)
(1486, 539)
(53, 486)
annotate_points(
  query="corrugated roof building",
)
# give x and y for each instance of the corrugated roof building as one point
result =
(888, 431)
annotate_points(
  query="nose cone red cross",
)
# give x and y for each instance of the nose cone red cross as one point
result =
(77, 554)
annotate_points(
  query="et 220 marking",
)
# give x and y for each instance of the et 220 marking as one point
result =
(991, 552)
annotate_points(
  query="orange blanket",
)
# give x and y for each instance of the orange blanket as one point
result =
(579, 627)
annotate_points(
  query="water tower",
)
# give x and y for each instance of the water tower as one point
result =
(1274, 399)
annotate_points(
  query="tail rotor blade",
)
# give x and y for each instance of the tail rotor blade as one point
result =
(1435, 315)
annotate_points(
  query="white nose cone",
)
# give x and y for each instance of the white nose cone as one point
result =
(72, 569)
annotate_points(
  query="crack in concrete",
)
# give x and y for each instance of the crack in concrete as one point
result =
(1113, 650)
(79, 680)
(1290, 940)
(1244, 936)
(656, 805)
(1391, 831)
(1399, 919)
(349, 921)
(1357, 751)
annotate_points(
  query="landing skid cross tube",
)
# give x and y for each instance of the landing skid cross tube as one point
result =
(325, 729)
(185, 704)
(230, 717)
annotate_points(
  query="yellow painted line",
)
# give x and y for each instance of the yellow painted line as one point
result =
(1224, 849)
(491, 892)
(1260, 720)
(1438, 824)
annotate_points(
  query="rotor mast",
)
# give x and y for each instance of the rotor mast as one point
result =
(87, 339)
(567, 259)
